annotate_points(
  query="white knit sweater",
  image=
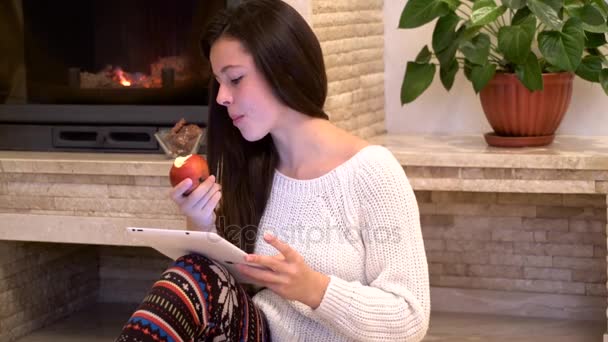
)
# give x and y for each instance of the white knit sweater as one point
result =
(358, 224)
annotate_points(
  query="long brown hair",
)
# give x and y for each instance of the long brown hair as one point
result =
(286, 51)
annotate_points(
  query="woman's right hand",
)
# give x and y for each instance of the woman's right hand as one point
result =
(199, 206)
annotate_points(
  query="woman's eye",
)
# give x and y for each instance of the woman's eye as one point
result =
(236, 80)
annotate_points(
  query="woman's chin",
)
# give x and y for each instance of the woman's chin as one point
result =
(251, 136)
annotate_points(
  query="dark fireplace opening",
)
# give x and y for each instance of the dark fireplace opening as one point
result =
(123, 69)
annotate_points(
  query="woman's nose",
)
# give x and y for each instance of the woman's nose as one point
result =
(223, 96)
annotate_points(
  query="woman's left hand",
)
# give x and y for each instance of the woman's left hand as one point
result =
(287, 274)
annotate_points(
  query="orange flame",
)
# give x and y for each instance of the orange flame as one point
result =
(122, 79)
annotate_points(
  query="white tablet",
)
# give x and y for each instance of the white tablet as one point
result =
(176, 243)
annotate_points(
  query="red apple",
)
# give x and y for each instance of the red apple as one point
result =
(192, 166)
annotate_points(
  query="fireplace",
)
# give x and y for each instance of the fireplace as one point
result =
(100, 75)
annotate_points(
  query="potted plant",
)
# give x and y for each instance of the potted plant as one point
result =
(520, 56)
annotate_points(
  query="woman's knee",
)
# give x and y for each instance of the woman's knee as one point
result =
(198, 264)
(195, 258)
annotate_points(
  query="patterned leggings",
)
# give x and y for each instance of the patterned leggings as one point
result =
(196, 300)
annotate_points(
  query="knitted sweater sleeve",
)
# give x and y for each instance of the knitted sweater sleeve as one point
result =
(394, 302)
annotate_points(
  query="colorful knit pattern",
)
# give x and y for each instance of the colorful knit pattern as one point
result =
(196, 300)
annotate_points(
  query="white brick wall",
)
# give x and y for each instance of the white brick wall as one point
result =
(351, 33)
(516, 242)
(40, 283)
(86, 195)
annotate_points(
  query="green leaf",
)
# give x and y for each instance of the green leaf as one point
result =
(483, 3)
(515, 43)
(589, 14)
(529, 73)
(486, 15)
(555, 4)
(592, 16)
(598, 53)
(481, 75)
(418, 77)
(529, 24)
(424, 56)
(453, 4)
(448, 74)
(526, 20)
(419, 12)
(546, 14)
(468, 67)
(445, 31)
(595, 29)
(604, 80)
(553, 69)
(590, 68)
(571, 6)
(521, 15)
(602, 6)
(476, 50)
(563, 49)
(471, 32)
(514, 4)
(593, 40)
(446, 55)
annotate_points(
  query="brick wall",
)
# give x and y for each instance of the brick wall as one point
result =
(40, 283)
(539, 243)
(87, 195)
(351, 33)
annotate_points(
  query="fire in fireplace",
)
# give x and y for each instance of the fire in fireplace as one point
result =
(96, 68)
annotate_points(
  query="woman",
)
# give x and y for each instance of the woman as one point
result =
(333, 218)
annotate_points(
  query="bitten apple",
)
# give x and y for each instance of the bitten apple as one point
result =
(192, 166)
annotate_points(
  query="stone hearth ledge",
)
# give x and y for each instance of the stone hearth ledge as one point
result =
(567, 153)
(63, 228)
(571, 165)
(112, 164)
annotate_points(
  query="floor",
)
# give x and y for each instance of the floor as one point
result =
(102, 323)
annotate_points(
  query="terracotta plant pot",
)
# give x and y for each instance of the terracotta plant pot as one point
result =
(522, 118)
